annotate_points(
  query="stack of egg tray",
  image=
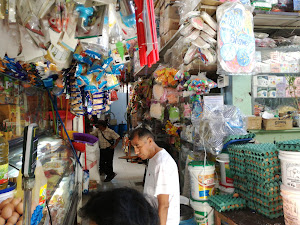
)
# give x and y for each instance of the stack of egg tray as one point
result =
(256, 173)
(291, 145)
(238, 137)
(240, 186)
(226, 202)
(262, 162)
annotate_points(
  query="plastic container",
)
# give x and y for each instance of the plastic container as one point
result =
(122, 129)
(290, 168)
(7, 192)
(40, 185)
(202, 179)
(226, 176)
(187, 215)
(4, 147)
(85, 138)
(291, 205)
(115, 128)
(204, 213)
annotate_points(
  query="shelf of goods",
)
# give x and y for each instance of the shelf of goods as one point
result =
(59, 167)
(262, 20)
(276, 20)
(210, 6)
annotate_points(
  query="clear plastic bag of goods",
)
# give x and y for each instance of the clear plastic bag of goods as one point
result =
(236, 42)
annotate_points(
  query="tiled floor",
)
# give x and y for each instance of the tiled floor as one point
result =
(128, 175)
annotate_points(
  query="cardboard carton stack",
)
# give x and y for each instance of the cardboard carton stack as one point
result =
(169, 20)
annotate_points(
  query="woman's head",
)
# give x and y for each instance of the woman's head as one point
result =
(120, 206)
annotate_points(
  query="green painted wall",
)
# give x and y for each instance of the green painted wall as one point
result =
(241, 87)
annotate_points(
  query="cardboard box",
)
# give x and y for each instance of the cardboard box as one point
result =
(277, 124)
(161, 26)
(171, 12)
(170, 24)
(166, 37)
(254, 123)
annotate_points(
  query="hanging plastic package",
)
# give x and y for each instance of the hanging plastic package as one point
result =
(174, 114)
(236, 42)
(112, 81)
(157, 111)
(113, 96)
(99, 44)
(91, 21)
(127, 12)
(80, 69)
(120, 52)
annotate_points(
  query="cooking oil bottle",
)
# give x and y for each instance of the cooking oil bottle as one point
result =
(4, 147)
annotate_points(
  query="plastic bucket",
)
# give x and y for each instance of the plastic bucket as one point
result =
(7, 192)
(291, 205)
(202, 179)
(115, 128)
(187, 215)
(290, 168)
(226, 176)
(122, 129)
(204, 213)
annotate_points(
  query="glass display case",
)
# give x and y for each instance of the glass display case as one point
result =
(59, 166)
(21, 104)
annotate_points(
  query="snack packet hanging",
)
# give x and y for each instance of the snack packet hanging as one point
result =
(91, 21)
(112, 81)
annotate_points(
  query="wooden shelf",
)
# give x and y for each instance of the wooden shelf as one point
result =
(276, 20)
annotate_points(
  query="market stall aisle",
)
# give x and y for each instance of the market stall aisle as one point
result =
(128, 175)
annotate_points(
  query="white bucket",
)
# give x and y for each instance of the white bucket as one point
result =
(204, 214)
(291, 205)
(226, 176)
(225, 190)
(290, 168)
(202, 179)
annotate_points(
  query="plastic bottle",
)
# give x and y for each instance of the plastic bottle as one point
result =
(4, 148)
(40, 185)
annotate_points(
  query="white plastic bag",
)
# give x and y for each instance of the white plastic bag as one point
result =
(236, 42)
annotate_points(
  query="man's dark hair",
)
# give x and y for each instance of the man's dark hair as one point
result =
(102, 123)
(124, 206)
(141, 132)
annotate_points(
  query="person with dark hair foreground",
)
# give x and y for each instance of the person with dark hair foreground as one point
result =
(121, 206)
(162, 181)
(106, 137)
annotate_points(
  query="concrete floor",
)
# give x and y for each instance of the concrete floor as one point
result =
(128, 175)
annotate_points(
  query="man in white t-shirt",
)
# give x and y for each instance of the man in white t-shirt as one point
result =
(162, 181)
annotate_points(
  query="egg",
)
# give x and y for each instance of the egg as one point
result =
(16, 214)
(7, 212)
(2, 221)
(21, 218)
(8, 223)
(5, 202)
(19, 208)
(235, 195)
(19, 223)
(13, 219)
(16, 201)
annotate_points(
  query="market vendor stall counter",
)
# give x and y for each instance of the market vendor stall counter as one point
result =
(59, 167)
(245, 217)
